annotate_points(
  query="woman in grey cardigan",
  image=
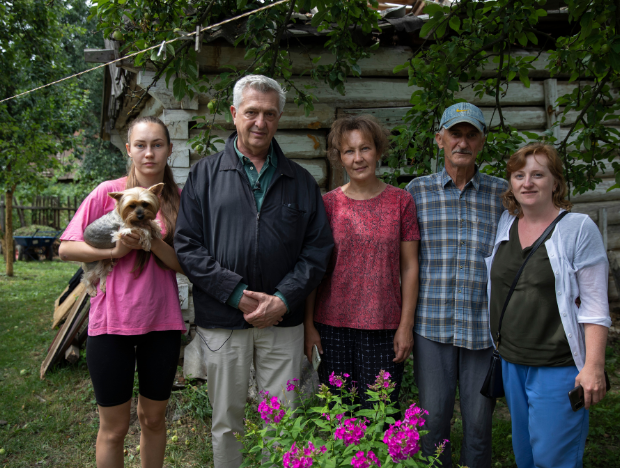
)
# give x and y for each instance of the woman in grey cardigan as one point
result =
(559, 309)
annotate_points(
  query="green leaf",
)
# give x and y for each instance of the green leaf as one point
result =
(522, 38)
(178, 89)
(318, 18)
(427, 28)
(532, 37)
(399, 68)
(523, 77)
(441, 30)
(432, 8)
(455, 23)
(614, 60)
(541, 12)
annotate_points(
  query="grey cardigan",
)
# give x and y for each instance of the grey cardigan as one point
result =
(581, 269)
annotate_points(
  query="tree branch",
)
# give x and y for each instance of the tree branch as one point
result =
(499, 79)
(169, 61)
(276, 41)
(595, 95)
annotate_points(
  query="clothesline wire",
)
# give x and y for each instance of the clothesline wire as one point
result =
(184, 37)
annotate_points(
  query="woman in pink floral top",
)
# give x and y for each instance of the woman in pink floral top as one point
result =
(361, 316)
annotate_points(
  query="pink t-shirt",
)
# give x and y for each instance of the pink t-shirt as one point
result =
(129, 306)
(362, 287)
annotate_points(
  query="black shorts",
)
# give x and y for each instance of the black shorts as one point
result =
(112, 361)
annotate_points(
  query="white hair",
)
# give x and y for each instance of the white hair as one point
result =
(260, 83)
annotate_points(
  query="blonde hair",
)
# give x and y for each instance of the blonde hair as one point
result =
(554, 163)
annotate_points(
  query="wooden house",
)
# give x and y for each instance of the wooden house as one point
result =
(379, 92)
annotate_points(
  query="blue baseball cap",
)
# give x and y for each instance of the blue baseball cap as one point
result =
(463, 112)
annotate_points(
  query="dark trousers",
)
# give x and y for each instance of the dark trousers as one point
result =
(361, 354)
(437, 368)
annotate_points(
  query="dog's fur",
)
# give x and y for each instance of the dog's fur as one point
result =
(135, 212)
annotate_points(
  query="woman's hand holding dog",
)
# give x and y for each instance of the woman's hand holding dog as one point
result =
(119, 250)
(132, 241)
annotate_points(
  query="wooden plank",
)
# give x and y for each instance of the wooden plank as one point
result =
(99, 55)
(178, 130)
(295, 144)
(73, 301)
(180, 174)
(551, 109)
(592, 210)
(613, 237)
(599, 194)
(164, 94)
(293, 117)
(317, 169)
(57, 301)
(602, 225)
(179, 158)
(614, 270)
(384, 92)
(522, 118)
(67, 332)
(219, 58)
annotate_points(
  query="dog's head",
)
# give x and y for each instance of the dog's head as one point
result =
(138, 205)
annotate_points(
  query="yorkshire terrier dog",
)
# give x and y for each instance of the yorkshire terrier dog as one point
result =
(135, 212)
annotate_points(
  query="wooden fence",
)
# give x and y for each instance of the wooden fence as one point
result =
(45, 211)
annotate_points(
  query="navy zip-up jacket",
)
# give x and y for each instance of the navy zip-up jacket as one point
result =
(221, 239)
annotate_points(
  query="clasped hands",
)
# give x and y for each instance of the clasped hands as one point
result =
(261, 310)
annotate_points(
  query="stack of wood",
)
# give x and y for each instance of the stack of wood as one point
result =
(71, 316)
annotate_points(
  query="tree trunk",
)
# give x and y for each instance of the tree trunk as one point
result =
(8, 233)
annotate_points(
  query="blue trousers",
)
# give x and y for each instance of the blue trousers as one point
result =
(546, 432)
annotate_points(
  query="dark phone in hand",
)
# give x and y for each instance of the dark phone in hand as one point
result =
(576, 394)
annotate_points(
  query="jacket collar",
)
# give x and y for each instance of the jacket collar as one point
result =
(230, 160)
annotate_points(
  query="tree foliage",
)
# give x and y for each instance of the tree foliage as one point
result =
(35, 127)
(469, 36)
(462, 39)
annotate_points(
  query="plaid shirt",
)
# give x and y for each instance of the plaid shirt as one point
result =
(458, 232)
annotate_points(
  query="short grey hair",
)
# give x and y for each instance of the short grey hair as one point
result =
(260, 83)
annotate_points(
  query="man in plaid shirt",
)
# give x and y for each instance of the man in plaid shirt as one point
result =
(458, 211)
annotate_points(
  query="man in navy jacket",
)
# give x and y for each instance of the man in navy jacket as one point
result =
(253, 238)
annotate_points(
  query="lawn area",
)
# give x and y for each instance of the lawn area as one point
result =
(53, 422)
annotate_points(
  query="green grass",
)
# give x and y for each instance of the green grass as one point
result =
(53, 422)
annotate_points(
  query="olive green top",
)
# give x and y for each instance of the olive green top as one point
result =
(532, 331)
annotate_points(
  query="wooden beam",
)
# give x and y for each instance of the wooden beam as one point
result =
(164, 94)
(99, 55)
(295, 144)
(551, 108)
(522, 118)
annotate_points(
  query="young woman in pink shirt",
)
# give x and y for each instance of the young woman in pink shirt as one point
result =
(137, 320)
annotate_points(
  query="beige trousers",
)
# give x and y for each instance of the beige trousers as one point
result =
(277, 354)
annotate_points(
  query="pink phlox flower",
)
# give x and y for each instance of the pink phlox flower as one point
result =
(291, 385)
(339, 417)
(300, 457)
(403, 441)
(336, 380)
(326, 416)
(346, 375)
(361, 461)
(382, 382)
(270, 409)
(350, 432)
(414, 416)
